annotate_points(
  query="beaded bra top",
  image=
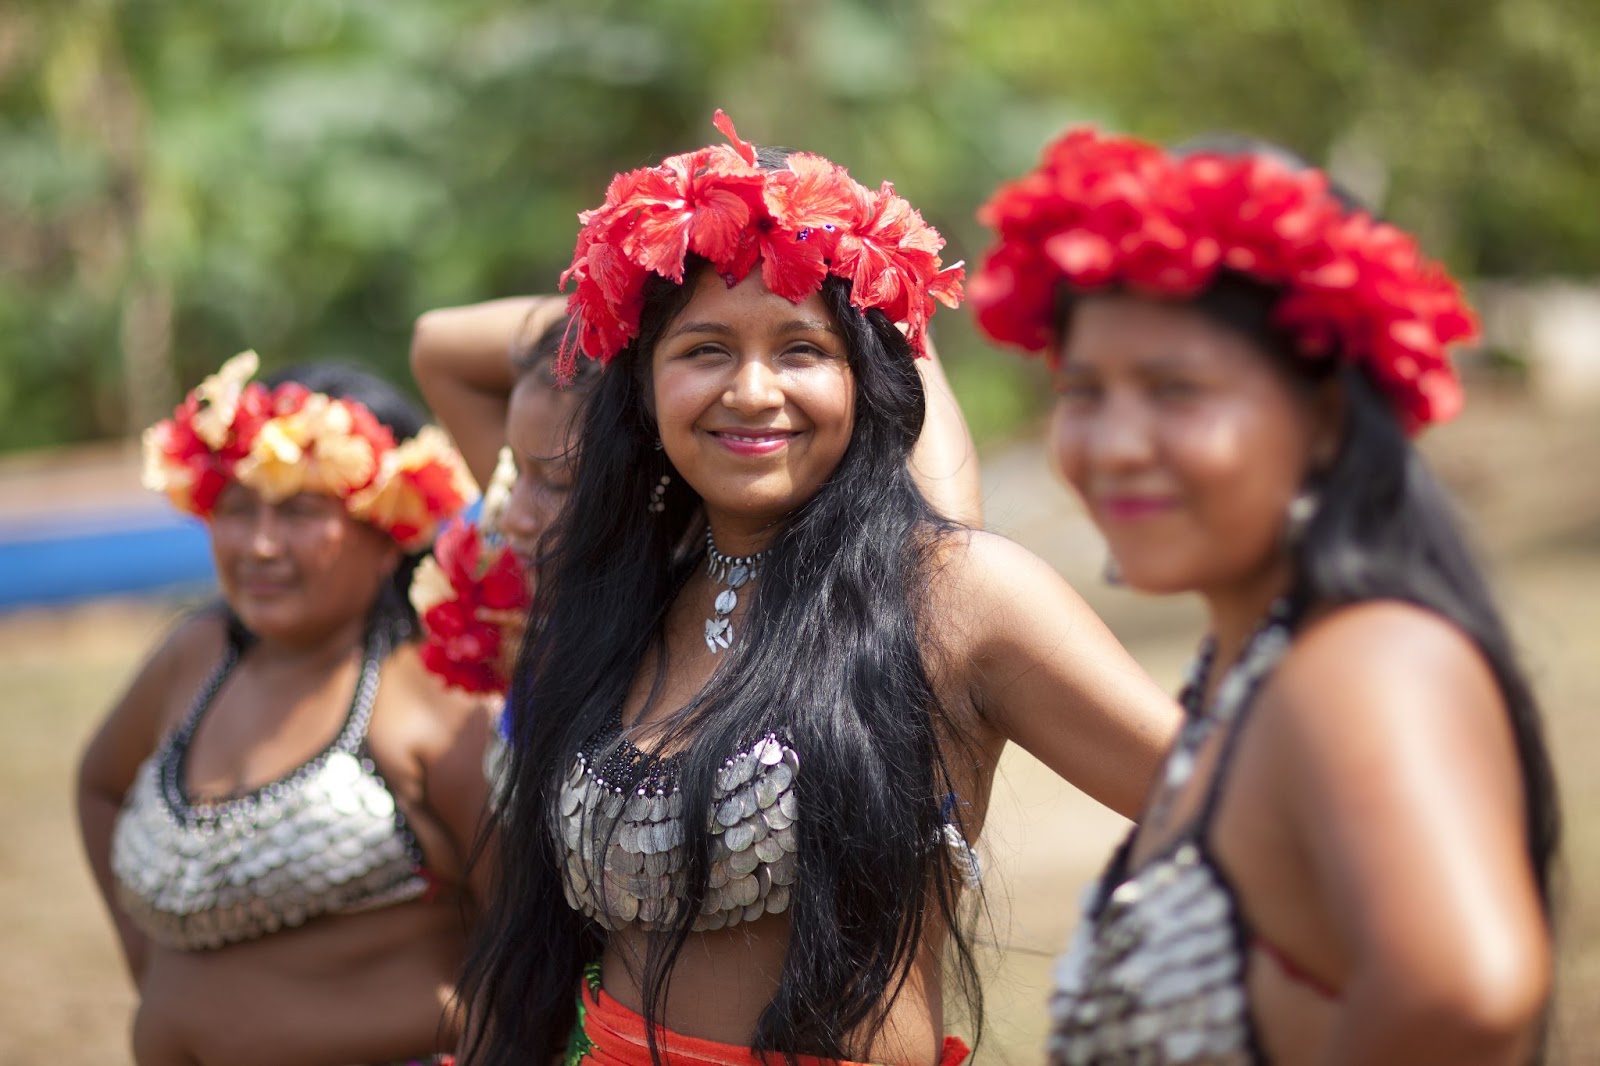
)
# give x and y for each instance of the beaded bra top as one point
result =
(327, 838)
(625, 846)
(1155, 973)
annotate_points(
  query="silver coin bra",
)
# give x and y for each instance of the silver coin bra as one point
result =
(325, 839)
(1155, 973)
(625, 847)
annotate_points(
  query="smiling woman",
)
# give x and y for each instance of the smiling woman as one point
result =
(757, 719)
(1347, 860)
(280, 809)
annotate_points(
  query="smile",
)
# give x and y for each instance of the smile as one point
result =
(1134, 508)
(754, 442)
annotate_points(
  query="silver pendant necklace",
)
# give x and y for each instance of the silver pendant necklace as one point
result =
(734, 573)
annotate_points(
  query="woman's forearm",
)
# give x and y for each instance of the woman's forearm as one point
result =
(461, 358)
(945, 460)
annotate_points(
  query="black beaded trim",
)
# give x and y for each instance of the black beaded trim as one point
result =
(350, 740)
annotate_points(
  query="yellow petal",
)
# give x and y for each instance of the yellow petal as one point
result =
(219, 398)
(274, 467)
(339, 465)
(429, 586)
(498, 493)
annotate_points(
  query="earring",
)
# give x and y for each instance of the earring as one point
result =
(1111, 573)
(1297, 519)
(658, 445)
(658, 495)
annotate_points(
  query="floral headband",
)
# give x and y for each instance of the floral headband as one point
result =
(289, 440)
(802, 223)
(1103, 211)
(472, 597)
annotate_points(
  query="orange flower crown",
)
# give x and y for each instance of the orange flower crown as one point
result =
(289, 440)
(802, 224)
(1105, 211)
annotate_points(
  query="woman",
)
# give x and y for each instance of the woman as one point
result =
(1347, 858)
(742, 778)
(280, 809)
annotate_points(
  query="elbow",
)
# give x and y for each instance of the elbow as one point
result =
(1489, 1012)
(1502, 1009)
(425, 342)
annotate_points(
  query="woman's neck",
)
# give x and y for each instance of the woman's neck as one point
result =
(737, 536)
(322, 651)
(1236, 610)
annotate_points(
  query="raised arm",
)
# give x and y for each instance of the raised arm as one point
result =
(1049, 676)
(1400, 774)
(461, 358)
(945, 461)
(128, 735)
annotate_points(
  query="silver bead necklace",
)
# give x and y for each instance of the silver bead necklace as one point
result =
(734, 573)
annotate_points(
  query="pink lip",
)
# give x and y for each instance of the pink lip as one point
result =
(1134, 508)
(753, 442)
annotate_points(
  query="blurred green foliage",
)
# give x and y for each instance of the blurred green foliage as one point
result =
(182, 180)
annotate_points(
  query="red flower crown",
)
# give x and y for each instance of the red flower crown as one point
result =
(289, 440)
(1104, 211)
(802, 224)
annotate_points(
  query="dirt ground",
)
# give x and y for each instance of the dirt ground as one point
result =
(1525, 478)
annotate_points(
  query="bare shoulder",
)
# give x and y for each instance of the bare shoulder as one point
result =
(1389, 683)
(437, 715)
(973, 563)
(992, 588)
(1386, 655)
(156, 699)
(180, 664)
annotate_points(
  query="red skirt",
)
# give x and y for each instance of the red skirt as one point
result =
(609, 1034)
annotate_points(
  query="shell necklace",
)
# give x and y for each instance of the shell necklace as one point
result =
(733, 573)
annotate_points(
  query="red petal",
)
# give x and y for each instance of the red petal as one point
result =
(724, 125)
(720, 216)
(813, 192)
(792, 269)
(946, 286)
(659, 240)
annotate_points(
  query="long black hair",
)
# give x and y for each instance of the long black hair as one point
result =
(833, 654)
(391, 617)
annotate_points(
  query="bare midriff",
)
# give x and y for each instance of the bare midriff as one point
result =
(341, 990)
(723, 981)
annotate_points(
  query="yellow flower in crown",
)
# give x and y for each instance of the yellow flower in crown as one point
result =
(275, 465)
(317, 444)
(497, 494)
(218, 398)
(288, 440)
(412, 483)
(191, 456)
(430, 586)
